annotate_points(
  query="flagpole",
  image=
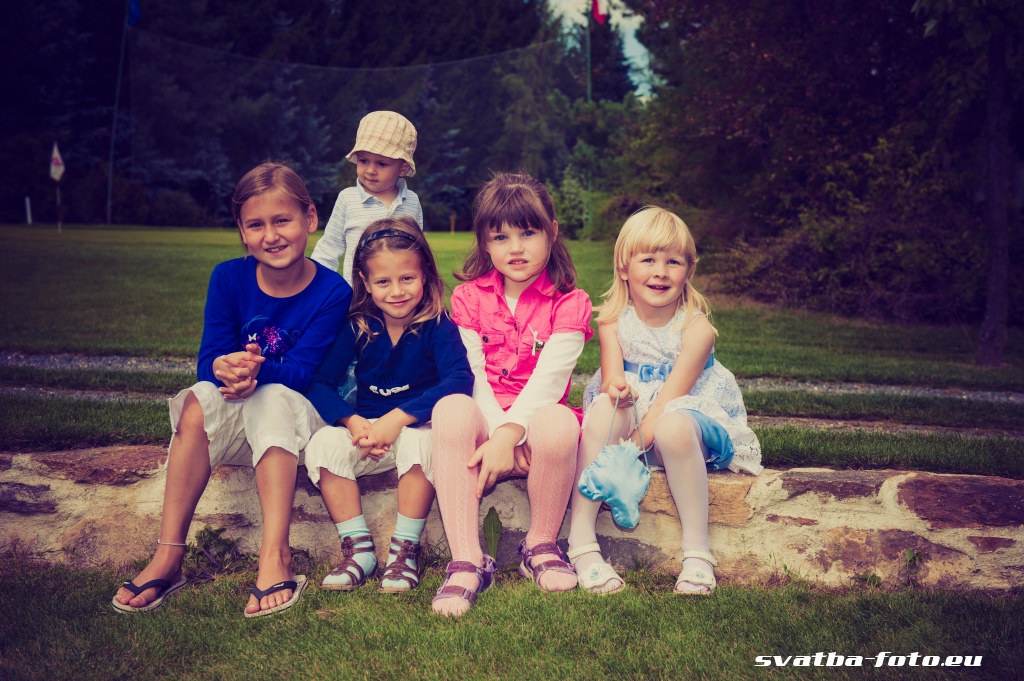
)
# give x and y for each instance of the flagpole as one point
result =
(590, 19)
(590, 184)
(117, 101)
(59, 218)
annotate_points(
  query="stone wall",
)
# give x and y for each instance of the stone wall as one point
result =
(102, 506)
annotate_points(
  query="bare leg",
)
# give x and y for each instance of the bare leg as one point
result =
(415, 494)
(341, 496)
(275, 480)
(188, 471)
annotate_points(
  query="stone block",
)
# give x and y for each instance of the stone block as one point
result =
(839, 485)
(102, 465)
(964, 501)
(727, 494)
(991, 544)
(103, 505)
(883, 552)
(16, 497)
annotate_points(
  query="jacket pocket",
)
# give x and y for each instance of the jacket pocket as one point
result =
(495, 352)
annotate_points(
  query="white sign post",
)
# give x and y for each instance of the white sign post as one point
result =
(57, 172)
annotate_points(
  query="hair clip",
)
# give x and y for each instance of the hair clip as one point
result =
(384, 234)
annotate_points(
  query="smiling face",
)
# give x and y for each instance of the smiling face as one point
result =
(656, 280)
(275, 228)
(394, 280)
(379, 174)
(520, 255)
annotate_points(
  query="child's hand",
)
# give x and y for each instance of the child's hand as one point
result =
(370, 448)
(358, 427)
(521, 460)
(383, 432)
(238, 371)
(619, 389)
(256, 353)
(496, 458)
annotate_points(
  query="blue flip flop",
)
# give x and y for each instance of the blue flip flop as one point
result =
(296, 585)
(165, 589)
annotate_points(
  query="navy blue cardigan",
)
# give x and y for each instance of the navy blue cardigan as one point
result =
(411, 375)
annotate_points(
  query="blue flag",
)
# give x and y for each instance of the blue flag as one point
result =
(134, 11)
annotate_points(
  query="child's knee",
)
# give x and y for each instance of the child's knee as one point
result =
(192, 418)
(332, 448)
(417, 471)
(673, 428)
(601, 409)
(271, 396)
(451, 410)
(603, 415)
(555, 426)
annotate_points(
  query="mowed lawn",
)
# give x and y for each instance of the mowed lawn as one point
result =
(140, 292)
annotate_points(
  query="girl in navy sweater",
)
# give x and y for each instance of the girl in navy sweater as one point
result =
(408, 355)
(270, 317)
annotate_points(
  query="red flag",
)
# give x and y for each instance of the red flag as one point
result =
(600, 8)
(56, 164)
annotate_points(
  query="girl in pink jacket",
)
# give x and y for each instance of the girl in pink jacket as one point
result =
(524, 323)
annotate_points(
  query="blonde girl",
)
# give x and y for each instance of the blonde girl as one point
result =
(657, 352)
(407, 356)
(269, 320)
(524, 324)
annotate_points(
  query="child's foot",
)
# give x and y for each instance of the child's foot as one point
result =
(359, 560)
(594, 573)
(545, 565)
(273, 569)
(402, 571)
(165, 565)
(698, 575)
(463, 584)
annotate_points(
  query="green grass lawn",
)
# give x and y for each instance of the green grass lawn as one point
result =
(141, 292)
(66, 629)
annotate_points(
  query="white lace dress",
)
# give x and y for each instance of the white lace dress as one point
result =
(715, 395)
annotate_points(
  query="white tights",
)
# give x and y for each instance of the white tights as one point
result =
(678, 446)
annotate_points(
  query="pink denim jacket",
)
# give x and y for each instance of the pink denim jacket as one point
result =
(513, 343)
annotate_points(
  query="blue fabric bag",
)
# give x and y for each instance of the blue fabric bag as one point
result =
(618, 477)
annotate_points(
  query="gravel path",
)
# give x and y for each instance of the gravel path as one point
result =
(100, 362)
(114, 362)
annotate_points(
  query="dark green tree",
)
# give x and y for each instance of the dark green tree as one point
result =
(991, 42)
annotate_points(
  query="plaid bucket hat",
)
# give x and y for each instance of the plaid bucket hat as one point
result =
(388, 134)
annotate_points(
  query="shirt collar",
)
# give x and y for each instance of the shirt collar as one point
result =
(494, 280)
(402, 185)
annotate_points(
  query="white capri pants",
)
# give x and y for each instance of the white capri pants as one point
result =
(241, 431)
(332, 448)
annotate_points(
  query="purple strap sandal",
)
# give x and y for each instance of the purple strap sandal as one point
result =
(484, 573)
(534, 572)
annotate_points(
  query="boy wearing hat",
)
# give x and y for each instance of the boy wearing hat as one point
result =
(385, 142)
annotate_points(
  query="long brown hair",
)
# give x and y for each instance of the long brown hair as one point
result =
(394, 235)
(520, 201)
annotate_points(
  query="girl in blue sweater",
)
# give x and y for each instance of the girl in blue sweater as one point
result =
(408, 355)
(270, 318)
